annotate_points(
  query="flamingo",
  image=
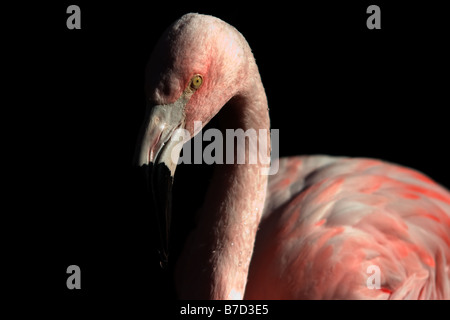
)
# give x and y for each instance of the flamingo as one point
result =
(315, 228)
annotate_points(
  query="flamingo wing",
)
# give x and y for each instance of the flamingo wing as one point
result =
(331, 222)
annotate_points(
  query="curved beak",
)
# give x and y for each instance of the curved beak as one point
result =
(157, 151)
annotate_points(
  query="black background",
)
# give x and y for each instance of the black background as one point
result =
(334, 87)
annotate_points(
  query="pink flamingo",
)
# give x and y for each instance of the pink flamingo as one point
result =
(312, 231)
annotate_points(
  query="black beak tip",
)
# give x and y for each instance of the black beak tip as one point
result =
(159, 183)
(163, 259)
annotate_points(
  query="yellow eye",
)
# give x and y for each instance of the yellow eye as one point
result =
(196, 82)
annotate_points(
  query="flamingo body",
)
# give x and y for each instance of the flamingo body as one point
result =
(327, 219)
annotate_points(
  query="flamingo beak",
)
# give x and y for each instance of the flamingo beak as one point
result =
(157, 152)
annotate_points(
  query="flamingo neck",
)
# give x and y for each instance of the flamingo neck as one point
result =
(217, 256)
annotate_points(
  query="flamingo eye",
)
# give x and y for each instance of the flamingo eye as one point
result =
(196, 82)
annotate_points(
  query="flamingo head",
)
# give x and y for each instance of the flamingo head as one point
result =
(197, 66)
